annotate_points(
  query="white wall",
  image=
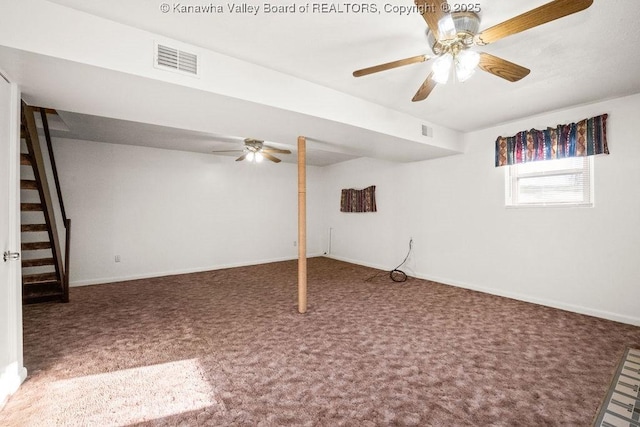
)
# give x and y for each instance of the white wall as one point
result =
(580, 259)
(167, 212)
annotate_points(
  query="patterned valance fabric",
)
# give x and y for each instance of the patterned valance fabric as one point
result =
(358, 200)
(585, 138)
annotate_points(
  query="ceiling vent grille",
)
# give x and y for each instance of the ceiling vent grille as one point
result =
(175, 59)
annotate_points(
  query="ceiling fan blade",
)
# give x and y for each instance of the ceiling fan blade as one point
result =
(241, 158)
(538, 16)
(502, 68)
(390, 65)
(275, 150)
(270, 157)
(433, 11)
(425, 89)
(227, 151)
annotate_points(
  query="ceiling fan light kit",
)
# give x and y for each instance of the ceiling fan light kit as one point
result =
(451, 35)
(447, 28)
(466, 64)
(461, 66)
(464, 25)
(441, 68)
(255, 151)
(256, 157)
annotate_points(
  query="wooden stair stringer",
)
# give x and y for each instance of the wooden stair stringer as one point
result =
(39, 285)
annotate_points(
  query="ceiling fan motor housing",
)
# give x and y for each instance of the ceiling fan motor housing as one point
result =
(467, 25)
(253, 144)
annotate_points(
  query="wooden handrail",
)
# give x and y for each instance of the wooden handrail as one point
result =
(67, 252)
(54, 168)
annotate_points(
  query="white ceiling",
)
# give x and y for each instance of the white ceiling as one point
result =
(578, 59)
(114, 131)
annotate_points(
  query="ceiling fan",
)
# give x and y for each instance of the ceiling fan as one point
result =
(452, 34)
(256, 151)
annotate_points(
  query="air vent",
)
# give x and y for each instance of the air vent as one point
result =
(427, 131)
(175, 59)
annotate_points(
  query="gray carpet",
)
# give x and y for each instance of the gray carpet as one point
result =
(227, 347)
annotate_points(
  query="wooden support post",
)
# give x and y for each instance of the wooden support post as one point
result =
(302, 225)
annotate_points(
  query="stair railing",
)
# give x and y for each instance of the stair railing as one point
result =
(35, 150)
(66, 221)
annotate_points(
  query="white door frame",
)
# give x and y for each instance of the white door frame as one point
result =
(12, 370)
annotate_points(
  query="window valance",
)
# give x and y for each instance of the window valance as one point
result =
(353, 200)
(585, 138)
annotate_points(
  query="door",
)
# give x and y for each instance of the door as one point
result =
(12, 372)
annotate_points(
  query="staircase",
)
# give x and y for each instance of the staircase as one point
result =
(44, 271)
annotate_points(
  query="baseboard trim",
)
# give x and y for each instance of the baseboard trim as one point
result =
(535, 300)
(10, 381)
(103, 280)
(513, 295)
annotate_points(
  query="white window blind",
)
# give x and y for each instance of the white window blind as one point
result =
(562, 182)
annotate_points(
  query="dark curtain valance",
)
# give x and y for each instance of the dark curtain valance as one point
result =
(358, 200)
(585, 138)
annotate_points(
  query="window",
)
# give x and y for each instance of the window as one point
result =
(562, 182)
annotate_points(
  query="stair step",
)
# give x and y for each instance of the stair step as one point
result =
(48, 286)
(31, 279)
(30, 207)
(40, 298)
(25, 159)
(42, 292)
(34, 246)
(25, 228)
(41, 287)
(48, 111)
(28, 184)
(37, 262)
(57, 297)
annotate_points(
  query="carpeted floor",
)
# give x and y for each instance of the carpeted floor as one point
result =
(228, 348)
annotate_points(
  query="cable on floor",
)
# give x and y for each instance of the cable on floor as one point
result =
(398, 275)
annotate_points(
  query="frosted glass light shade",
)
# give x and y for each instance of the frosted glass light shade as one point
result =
(250, 156)
(447, 28)
(259, 157)
(442, 68)
(466, 63)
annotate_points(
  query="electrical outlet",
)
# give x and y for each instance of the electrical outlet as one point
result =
(117, 257)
